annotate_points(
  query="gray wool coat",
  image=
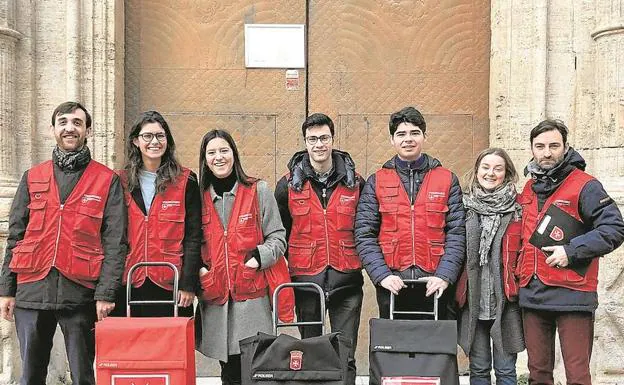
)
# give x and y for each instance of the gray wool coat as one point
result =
(222, 327)
(507, 328)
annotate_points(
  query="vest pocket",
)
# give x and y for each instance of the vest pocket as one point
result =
(23, 260)
(171, 231)
(36, 215)
(212, 287)
(389, 218)
(165, 273)
(345, 217)
(86, 262)
(300, 254)
(87, 224)
(302, 223)
(247, 238)
(350, 258)
(247, 280)
(436, 214)
(389, 249)
(436, 251)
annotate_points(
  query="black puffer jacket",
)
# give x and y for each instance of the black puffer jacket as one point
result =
(368, 222)
(301, 171)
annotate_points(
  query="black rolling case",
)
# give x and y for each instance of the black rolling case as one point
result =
(405, 352)
(285, 360)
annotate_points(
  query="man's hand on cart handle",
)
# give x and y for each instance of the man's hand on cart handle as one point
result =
(185, 298)
(393, 283)
(103, 309)
(436, 285)
(7, 304)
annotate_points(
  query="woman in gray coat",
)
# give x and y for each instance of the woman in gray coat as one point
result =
(243, 235)
(487, 290)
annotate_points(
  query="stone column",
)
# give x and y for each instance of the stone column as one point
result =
(9, 37)
(608, 166)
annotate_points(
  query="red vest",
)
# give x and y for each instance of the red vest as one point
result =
(322, 237)
(510, 245)
(66, 236)
(224, 250)
(157, 236)
(413, 235)
(532, 260)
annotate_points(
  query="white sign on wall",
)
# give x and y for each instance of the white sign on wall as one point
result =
(274, 45)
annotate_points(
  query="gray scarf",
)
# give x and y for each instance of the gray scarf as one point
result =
(73, 160)
(491, 206)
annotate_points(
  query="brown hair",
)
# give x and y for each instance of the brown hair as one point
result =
(470, 178)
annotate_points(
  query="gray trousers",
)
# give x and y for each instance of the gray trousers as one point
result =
(35, 330)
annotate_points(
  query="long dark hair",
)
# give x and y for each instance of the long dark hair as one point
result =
(169, 168)
(470, 178)
(206, 177)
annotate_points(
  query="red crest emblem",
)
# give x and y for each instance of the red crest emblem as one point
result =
(556, 234)
(296, 359)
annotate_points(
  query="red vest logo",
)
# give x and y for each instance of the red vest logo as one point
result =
(296, 359)
(556, 234)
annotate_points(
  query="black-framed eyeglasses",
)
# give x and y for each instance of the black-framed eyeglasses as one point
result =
(311, 140)
(148, 136)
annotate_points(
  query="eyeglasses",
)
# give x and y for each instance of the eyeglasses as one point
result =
(148, 136)
(311, 140)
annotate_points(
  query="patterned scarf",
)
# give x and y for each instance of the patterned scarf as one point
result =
(73, 160)
(491, 206)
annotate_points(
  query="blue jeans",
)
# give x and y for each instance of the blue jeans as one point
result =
(481, 359)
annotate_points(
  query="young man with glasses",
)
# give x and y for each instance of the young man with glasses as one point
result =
(410, 220)
(317, 200)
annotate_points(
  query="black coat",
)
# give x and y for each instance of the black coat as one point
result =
(368, 222)
(301, 170)
(55, 292)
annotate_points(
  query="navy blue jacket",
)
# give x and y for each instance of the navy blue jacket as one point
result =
(598, 210)
(368, 222)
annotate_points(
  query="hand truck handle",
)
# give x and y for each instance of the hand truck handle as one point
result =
(276, 322)
(433, 313)
(173, 301)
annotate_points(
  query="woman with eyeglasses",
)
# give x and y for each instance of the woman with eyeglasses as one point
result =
(164, 220)
(244, 238)
(489, 324)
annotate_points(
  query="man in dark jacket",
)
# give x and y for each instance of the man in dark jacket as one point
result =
(65, 251)
(317, 202)
(410, 220)
(558, 283)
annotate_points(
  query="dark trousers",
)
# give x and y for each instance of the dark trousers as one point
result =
(412, 298)
(231, 370)
(35, 330)
(576, 335)
(344, 308)
(149, 291)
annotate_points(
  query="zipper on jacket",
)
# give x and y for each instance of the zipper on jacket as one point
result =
(411, 189)
(325, 224)
(225, 248)
(413, 236)
(146, 240)
(58, 234)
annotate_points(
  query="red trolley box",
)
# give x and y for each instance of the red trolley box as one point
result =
(145, 350)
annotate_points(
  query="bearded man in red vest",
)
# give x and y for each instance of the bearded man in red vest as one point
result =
(65, 251)
(558, 283)
(317, 202)
(410, 221)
